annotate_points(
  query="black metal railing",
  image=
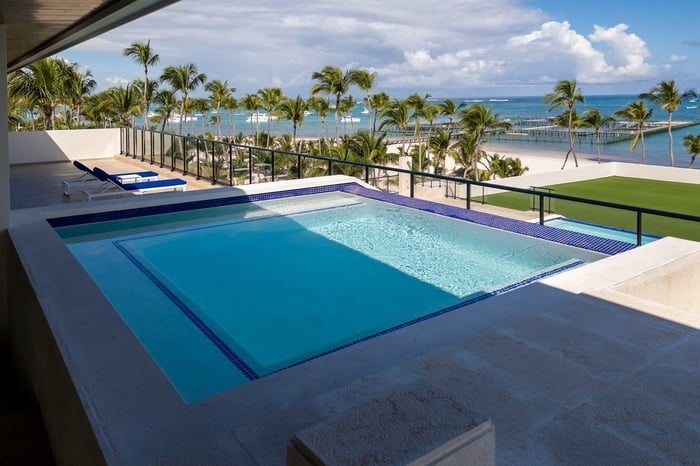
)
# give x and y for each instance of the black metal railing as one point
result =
(232, 164)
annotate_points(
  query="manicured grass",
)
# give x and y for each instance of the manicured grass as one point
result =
(661, 195)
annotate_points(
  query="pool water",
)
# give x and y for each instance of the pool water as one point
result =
(599, 230)
(226, 295)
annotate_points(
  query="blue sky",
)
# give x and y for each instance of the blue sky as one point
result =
(457, 48)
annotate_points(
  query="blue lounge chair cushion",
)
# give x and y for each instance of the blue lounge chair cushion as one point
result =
(143, 185)
(152, 184)
(143, 174)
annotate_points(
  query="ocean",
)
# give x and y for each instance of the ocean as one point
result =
(519, 110)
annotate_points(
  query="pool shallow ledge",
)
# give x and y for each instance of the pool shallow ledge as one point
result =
(105, 400)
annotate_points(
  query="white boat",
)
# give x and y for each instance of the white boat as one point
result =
(307, 113)
(350, 119)
(260, 118)
(175, 118)
(498, 100)
(365, 111)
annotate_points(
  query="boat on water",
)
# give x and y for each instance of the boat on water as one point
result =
(365, 111)
(260, 118)
(175, 118)
(498, 100)
(350, 119)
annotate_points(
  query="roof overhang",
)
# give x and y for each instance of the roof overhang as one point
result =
(40, 28)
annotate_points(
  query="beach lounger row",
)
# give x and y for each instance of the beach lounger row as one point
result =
(96, 183)
(88, 180)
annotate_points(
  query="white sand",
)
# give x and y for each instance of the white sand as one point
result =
(542, 161)
(535, 159)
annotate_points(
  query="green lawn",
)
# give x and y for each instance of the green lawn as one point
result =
(661, 195)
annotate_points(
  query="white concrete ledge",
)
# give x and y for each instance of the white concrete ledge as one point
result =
(417, 425)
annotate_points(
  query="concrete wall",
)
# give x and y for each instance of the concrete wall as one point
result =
(63, 145)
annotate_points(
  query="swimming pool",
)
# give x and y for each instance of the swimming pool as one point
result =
(228, 294)
(599, 230)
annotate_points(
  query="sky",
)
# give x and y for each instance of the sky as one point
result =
(451, 48)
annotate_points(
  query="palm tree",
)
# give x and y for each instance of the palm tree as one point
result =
(594, 120)
(465, 153)
(450, 109)
(566, 94)
(692, 144)
(321, 106)
(167, 104)
(378, 102)
(251, 103)
(666, 95)
(332, 80)
(346, 105)
(142, 54)
(79, 87)
(397, 115)
(293, 110)
(505, 167)
(42, 85)
(124, 102)
(369, 148)
(364, 79)
(270, 97)
(419, 105)
(231, 104)
(477, 119)
(639, 114)
(183, 79)
(439, 143)
(219, 91)
(97, 109)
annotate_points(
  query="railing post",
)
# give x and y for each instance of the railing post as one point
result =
(299, 171)
(162, 147)
(199, 172)
(272, 165)
(330, 167)
(639, 228)
(469, 195)
(153, 146)
(135, 143)
(230, 164)
(367, 174)
(184, 155)
(412, 182)
(541, 209)
(250, 165)
(143, 144)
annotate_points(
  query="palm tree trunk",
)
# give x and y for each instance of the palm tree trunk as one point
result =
(597, 144)
(670, 139)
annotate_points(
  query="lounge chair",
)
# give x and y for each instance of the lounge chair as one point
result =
(89, 181)
(114, 187)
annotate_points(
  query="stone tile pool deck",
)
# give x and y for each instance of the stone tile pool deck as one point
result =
(567, 374)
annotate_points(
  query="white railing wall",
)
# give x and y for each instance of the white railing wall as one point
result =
(63, 145)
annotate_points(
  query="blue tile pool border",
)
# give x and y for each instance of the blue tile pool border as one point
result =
(575, 239)
(557, 235)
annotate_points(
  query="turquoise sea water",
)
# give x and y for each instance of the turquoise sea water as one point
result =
(513, 108)
(260, 287)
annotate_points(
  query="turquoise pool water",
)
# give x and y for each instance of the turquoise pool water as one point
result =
(222, 296)
(599, 230)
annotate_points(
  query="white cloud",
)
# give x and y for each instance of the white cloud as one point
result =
(677, 59)
(116, 81)
(456, 45)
